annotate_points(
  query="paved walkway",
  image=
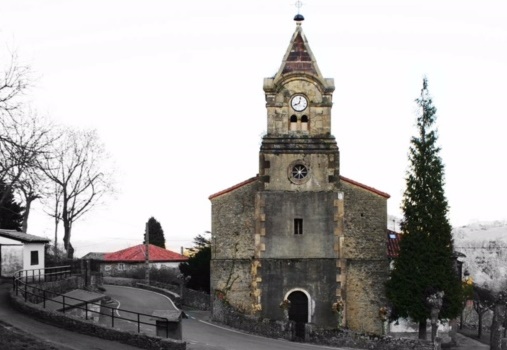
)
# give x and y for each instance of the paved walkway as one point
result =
(60, 337)
(466, 343)
(76, 297)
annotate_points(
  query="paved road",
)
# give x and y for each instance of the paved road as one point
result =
(138, 301)
(197, 331)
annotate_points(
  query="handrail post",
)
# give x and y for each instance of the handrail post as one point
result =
(25, 291)
(112, 318)
(86, 310)
(44, 298)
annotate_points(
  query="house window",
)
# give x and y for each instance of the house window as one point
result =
(34, 257)
(298, 226)
(121, 267)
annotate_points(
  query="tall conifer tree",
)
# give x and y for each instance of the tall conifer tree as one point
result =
(425, 264)
(11, 213)
(156, 233)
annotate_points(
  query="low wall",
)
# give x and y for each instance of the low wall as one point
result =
(88, 327)
(171, 295)
(225, 314)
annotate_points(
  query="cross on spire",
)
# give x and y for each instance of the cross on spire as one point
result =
(298, 5)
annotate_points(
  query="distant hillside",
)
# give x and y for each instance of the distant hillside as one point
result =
(485, 247)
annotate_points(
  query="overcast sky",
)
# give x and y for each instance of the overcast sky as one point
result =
(175, 92)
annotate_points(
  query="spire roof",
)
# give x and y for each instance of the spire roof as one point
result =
(299, 57)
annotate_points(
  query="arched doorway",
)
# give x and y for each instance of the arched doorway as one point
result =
(298, 312)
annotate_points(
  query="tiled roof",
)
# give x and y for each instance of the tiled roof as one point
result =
(371, 189)
(299, 59)
(393, 244)
(138, 253)
(246, 182)
(22, 237)
(232, 188)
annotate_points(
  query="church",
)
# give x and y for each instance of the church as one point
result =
(299, 241)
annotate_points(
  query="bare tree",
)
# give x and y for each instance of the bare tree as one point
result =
(77, 167)
(13, 83)
(53, 202)
(25, 137)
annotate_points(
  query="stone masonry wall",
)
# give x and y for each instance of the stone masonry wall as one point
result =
(232, 246)
(364, 251)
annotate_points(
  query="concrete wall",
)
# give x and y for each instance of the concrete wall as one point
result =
(28, 248)
(11, 260)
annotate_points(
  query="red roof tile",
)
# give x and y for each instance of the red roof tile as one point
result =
(371, 189)
(232, 188)
(138, 253)
(393, 244)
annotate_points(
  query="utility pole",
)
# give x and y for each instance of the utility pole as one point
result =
(147, 240)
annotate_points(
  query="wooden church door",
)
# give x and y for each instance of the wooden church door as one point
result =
(298, 312)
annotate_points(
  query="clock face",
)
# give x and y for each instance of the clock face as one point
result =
(299, 103)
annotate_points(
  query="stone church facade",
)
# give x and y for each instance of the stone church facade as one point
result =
(299, 241)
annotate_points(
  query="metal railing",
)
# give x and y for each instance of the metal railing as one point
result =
(25, 282)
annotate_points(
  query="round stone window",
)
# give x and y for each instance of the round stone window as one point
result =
(298, 172)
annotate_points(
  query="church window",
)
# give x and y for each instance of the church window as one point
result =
(298, 226)
(304, 123)
(299, 171)
(293, 123)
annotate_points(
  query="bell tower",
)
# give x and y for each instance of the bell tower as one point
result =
(298, 152)
(300, 242)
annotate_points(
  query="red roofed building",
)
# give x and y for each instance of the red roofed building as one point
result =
(135, 257)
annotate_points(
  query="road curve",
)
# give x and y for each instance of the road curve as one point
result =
(198, 332)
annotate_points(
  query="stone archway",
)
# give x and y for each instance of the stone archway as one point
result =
(298, 312)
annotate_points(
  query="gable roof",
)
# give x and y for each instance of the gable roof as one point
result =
(138, 254)
(233, 188)
(368, 188)
(22, 237)
(343, 178)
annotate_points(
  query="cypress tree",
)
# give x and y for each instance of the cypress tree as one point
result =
(11, 213)
(425, 263)
(156, 233)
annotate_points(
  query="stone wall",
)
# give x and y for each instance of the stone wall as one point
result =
(224, 313)
(233, 245)
(364, 252)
